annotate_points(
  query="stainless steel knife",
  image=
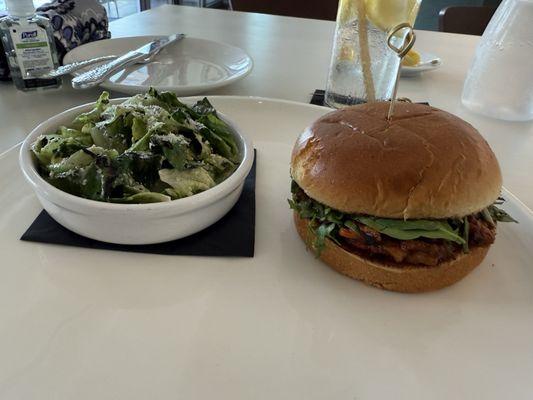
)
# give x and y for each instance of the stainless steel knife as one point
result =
(143, 54)
(76, 65)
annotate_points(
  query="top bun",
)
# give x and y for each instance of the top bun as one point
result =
(424, 163)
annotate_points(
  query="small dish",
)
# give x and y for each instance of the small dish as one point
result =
(134, 223)
(428, 62)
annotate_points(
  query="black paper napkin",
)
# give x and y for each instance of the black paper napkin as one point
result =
(319, 94)
(318, 97)
(231, 236)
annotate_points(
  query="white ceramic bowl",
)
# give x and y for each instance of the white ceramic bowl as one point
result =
(133, 223)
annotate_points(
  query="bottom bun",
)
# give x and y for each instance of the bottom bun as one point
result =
(406, 279)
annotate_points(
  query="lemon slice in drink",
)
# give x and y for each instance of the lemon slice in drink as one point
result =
(386, 14)
(347, 10)
(411, 59)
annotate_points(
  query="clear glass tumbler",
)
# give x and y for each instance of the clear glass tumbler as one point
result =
(499, 83)
(363, 68)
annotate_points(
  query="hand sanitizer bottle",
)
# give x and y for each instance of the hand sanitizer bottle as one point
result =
(29, 45)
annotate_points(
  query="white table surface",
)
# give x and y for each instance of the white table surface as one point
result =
(56, 309)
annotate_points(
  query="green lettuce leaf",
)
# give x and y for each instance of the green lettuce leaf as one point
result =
(143, 166)
(143, 197)
(94, 115)
(219, 167)
(204, 107)
(151, 147)
(217, 143)
(79, 159)
(81, 181)
(83, 138)
(174, 148)
(47, 149)
(138, 129)
(167, 99)
(222, 134)
(187, 182)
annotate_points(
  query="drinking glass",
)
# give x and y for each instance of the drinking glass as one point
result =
(499, 83)
(363, 68)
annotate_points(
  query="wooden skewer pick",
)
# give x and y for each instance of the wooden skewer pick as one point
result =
(407, 45)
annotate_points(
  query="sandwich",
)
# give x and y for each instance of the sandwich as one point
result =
(407, 205)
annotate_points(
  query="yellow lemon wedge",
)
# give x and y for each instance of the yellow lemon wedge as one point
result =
(386, 14)
(411, 59)
(347, 10)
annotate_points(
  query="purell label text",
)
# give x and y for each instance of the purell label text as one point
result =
(29, 35)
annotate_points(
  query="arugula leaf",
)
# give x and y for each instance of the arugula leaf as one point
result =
(414, 229)
(487, 217)
(353, 226)
(322, 232)
(466, 233)
(322, 218)
(500, 215)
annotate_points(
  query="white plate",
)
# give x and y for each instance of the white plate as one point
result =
(90, 324)
(188, 67)
(424, 64)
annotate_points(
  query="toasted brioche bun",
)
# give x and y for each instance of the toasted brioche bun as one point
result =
(424, 163)
(405, 278)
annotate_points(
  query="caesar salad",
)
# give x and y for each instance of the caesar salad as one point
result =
(149, 148)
